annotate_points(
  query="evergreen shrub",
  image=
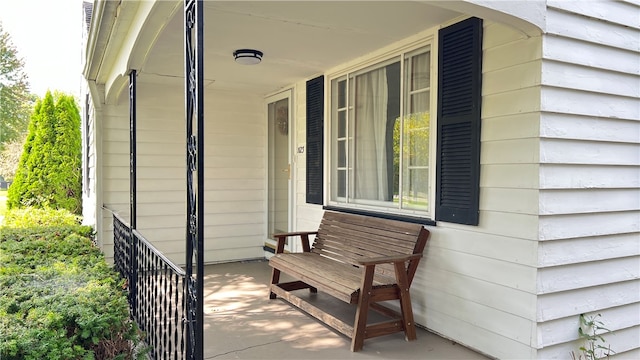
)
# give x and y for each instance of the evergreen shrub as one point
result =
(58, 297)
(30, 216)
(49, 173)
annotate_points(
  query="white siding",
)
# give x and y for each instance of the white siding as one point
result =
(235, 176)
(113, 168)
(477, 283)
(589, 255)
(161, 183)
(234, 172)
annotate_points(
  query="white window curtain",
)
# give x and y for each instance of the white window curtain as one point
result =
(371, 98)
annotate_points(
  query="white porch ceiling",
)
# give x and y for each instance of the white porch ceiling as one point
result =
(299, 39)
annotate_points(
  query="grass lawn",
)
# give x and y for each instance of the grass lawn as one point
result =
(3, 200)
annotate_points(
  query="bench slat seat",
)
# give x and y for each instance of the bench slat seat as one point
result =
(360, 260)
(338, 279)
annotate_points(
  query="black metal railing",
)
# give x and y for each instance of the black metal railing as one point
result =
(122, 251)
(156, 292)
(194, 116)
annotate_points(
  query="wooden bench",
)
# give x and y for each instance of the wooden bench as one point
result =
(360, 260)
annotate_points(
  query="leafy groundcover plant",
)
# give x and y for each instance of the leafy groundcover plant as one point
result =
(58, 297)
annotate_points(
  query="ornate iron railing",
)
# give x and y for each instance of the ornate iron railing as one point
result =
(194, 116)
(122, 250)
(156, 292)
(165, 300)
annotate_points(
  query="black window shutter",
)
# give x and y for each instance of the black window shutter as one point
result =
(315, 140)
(459, 99)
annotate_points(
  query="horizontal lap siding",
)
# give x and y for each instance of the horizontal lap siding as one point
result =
(626, 341)
(234, 172)
(235, 161)
(477, 283)
(161, 168)
(113, 178)
(589, 257)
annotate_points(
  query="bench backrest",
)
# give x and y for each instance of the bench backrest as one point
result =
(349, 237)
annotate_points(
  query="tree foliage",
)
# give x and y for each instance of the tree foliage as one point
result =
(10, 157)
(15, 100)
(49, 171)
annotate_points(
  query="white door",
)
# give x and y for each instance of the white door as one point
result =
(279, 167)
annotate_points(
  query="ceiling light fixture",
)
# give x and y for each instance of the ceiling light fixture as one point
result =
(247, 56)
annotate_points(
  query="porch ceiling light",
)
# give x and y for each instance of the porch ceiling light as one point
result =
(247, 56)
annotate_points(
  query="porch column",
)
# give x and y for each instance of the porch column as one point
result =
(133, 252)
(132, 148)
(194, 104)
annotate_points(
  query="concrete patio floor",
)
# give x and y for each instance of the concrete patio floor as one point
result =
(242, 323)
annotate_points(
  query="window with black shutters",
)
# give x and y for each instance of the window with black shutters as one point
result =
(396, 149)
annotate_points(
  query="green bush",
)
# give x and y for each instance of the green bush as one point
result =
(49, 173)
(30, 216)
(58, 297)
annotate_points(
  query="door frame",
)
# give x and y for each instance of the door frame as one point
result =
(287, 93)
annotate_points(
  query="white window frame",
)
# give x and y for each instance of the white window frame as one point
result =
(377, 59)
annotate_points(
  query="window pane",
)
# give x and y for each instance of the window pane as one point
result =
(415, 148)
(342, 124)
(342, 183)
(420, 71)
(396, 159)
(417, 139)
(419, 102)
(377, 99)
(416, 189)
(342, 154)
(342, 94)
(415, 186)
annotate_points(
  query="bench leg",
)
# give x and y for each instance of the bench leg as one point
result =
(360, 324)
(275, 278)
(405, 302)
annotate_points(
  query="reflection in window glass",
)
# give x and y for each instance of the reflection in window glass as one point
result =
(415, 189)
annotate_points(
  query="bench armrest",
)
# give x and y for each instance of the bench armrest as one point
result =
(295, 233)
(304, 237)
(388, 259)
